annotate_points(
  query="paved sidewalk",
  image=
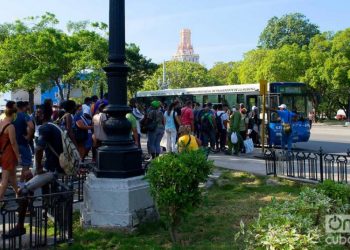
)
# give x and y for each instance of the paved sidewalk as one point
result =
(244, 162)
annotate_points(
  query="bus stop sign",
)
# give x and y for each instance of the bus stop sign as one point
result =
(263, 87)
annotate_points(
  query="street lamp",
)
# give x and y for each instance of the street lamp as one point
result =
(118, 157)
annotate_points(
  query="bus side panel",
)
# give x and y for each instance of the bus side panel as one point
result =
(300, 132)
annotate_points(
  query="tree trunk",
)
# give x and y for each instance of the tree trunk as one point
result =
(31, 100)
(60, 90)
(172, 231)
(101, 90)
(68, 90)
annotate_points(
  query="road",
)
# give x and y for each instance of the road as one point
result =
(332, 139)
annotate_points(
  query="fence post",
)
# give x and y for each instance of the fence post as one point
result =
(321, 163)
(274, 163)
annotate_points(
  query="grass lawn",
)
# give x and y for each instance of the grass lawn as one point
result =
(236, 196)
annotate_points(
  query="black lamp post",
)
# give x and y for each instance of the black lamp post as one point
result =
(118, 157)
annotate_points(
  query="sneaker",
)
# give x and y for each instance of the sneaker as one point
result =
(14, 232)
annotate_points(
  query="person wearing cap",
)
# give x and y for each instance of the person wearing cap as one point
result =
(155, 136)
(286, 118)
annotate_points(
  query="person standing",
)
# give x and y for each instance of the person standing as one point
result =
(24, 133)
(208, 127)
(254, 124)
(9, 149)
(155, 136)
(222, 120)
(235, 121)
(99, 134)
(83, 134)
(243, 128)
(171, 118)
(187, 118)
(286, 118)
(138, 116)
(67, 120)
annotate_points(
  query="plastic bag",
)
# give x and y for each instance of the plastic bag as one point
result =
(234, 138)
(249, 146)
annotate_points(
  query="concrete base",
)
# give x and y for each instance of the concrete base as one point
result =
(117, 203)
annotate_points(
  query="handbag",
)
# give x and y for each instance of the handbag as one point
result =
(249, 145)
(234, 138)
(286, 127)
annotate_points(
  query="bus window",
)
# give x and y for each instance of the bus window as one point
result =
(199, 99)
(251, 101)
(231, 100)
(240, 98)
(205, 99)
(213, 98)
(300, 105)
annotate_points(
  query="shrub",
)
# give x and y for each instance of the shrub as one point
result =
(174, 184)
(292, 224)
(336, 191)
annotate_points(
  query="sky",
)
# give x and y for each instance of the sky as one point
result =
(222, 30)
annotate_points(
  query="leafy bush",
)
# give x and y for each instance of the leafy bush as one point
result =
(336, 191)
(174, 181)
(292, 224)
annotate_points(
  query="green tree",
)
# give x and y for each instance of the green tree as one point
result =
(224, 73)
(289, 29)
(140, 68)
(248, 68)
(317, 76)
(338, 68)
(181, 75)
(287, 64)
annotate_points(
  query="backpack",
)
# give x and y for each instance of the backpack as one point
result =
(218, 121)
(149, 124)
(69, 159)
(206, 124)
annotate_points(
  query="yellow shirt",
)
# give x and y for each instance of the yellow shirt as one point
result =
(183, 141)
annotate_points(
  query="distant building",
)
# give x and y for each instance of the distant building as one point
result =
(185, 51)
(19, 95)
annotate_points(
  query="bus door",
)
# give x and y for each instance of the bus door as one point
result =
(274, 126)
(251, 100)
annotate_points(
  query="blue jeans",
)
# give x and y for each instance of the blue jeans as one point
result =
(286, 139)
(209, 136)
(154, 138)
(26, 155)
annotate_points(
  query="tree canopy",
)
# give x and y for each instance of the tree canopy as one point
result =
(290, 29)
(33, 52)
(181, 75)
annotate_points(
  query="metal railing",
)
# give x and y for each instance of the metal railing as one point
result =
(47, 218)
(313, 166)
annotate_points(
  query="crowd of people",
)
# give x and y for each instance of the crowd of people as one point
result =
(210, 126)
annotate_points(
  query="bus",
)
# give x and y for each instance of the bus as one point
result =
(294, 94)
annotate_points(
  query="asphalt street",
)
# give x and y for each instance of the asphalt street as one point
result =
(332, 139)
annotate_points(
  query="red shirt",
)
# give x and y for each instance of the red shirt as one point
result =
(186, 116)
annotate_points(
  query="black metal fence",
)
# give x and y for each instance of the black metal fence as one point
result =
(47, 221)
(313, 166)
